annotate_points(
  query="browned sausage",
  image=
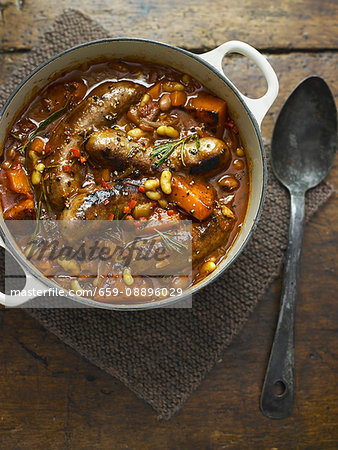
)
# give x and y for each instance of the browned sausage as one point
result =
(64, 173)
(113, 147)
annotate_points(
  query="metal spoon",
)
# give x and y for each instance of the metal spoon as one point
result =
(303, 147)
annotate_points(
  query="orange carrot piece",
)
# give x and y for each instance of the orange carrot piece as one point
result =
(193, 196)
(20, 211)
(18, 180)
(178, 98)
(155, 91)
(210, 110)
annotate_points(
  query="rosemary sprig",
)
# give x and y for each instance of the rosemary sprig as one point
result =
(15, 137)
(163, 151)
(49, 209)
(55, 115)
(197, 142)
(116, 217)
(170, 241)
(38, 215)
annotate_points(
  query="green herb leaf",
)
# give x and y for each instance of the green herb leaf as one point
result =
(55, 115)
(170, 241)
(182, 154)
(163, 151)
(197, 142)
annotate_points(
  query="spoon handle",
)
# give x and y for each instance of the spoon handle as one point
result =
(278, 388)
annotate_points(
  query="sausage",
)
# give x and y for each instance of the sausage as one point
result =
(101, 108)
(209, 235)
(100, 204)
(113, 147)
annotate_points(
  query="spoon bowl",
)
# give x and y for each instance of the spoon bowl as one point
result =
(305, 136)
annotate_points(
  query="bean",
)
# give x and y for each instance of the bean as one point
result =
(172, 86)
(165, 102)
(169, 131)
(127, 278)
(40, 167)
(166, 181)
(33, 156)
(229, 182)
(135, 133)
(208, 267)
(153, 195)
(145, 99)
(151, 184)
(36, 177)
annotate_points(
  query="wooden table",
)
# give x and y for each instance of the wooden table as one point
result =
(51, 398)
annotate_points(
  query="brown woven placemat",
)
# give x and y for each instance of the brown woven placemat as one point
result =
(163, 355)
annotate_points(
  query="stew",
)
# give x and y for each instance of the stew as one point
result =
(128, 141)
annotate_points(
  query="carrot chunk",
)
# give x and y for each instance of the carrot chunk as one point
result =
(178, 98)
(155, 91)
(20, 211)
(18, 180)
(195, 197)
(210, 110)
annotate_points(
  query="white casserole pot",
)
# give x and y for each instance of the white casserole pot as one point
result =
(207, 69)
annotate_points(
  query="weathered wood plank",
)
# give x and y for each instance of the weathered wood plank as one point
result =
(51, 398)
(192, 24)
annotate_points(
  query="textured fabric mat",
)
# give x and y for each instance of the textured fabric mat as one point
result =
(163, 355)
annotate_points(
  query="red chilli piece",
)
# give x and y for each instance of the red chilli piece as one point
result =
(111, 217)
(66, 168)
(76, 152)
(142, 189)
(171, 212)
(132, 204)
(82, 159)
(106, 202)
(126, 210)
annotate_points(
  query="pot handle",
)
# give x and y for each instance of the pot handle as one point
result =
(32, 284)
(259, 107)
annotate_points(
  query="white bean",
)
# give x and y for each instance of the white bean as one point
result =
(153, 195)
(169, 131)
(127, 278)
(36, 177)
(166, 181)
(151, 184)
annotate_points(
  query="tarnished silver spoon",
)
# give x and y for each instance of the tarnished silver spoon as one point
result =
(302, 150)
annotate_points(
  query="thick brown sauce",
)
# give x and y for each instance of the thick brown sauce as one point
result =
(55, 95)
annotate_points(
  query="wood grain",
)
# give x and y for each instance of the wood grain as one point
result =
(192, 24)
(50, 398)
